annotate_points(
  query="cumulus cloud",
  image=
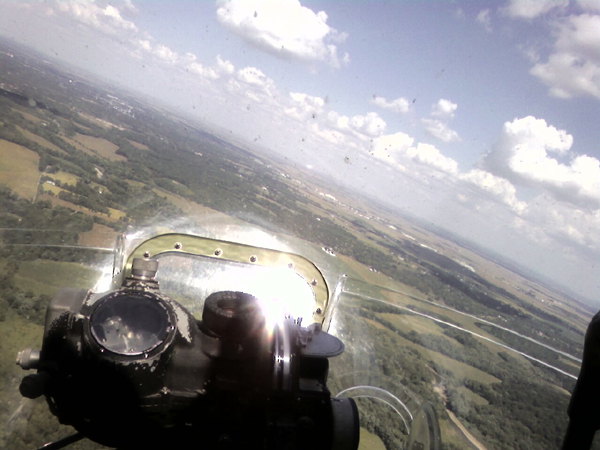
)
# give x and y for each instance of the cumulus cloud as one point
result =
(363, 127)
(283, 28)
(498, 187)
(429, 155)
(393, 148)
(251, 83)
(165, 53)
(128, 8)
(524, 155)
(220, 68)
(573, 68)
(400, 105)
(187, 61)
(205, 72)
(440, 130)
(485, 19)
(438, 126)
(105, 18)
(370, 124)
(565, 223)
(224, 66)
(444, 109)
(304, 107)
(530, 9)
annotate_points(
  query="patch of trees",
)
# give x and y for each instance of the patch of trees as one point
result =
(522, 414)
(24, 302)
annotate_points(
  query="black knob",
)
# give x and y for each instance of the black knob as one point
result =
(34, 385)
(232, 315)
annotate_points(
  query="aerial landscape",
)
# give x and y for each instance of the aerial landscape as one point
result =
(74, 175)
(452, 228)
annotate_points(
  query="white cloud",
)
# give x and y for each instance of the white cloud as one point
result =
(429, 155)
(205, 72)
(444, 109)
(500, 188)
(106, 19)
(304, 107)
(589, 5)
(387, 146)
(393, 148)
(566, 223)
(254, 85)
(574, 67)
(400, 105)
(165, 53)
(485, 19)
(224, 66)
(438, 127)
(144, 44)
(253, 76)
(522, 155)
(370, 124)
(364, 127)
(530, 9)
(129, 8)
(283, 28)
(440, 130)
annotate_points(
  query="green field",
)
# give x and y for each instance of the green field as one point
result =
(65, 177)
(116, 214)
(19, 169)
(459, 369)
(101, 146)
(47, 187)
(46, 277)
(370, 441)
(27, 116)
(472, 397)
(39, 140)
(418, 324)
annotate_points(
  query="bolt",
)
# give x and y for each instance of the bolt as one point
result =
(178, 246)
(146, 254)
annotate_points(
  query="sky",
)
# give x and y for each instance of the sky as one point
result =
(479, 117)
